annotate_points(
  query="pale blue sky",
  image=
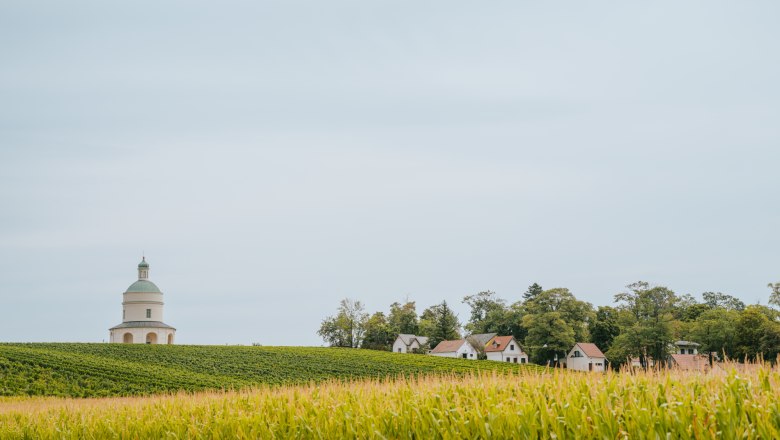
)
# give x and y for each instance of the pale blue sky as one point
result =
(274, 157)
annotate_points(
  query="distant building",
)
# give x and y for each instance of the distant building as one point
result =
(690, 362)
(686, 347)
(406, 343)
(585, 356)
(505, 349)
(142, 313)
(459, 348)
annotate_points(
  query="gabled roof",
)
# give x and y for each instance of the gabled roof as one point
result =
(678, 343)
(589, 349)
(482, 338)
(448, 346)
(499, 343)
(407, 339)
(691, 362)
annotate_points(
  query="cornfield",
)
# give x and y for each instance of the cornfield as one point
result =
(728, 403)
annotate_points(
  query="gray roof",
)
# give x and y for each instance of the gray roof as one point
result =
(482, 338)
(142, 324)
(143, 286)
(687, 343)
(407, 339)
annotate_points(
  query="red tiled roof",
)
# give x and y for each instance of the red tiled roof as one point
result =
(448, 346)
(590, 350)
(694, 362)
(499, 343)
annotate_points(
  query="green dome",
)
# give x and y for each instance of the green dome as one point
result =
(143, 263)
(143, 286)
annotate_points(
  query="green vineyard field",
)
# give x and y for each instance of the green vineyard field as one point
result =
(103, 370)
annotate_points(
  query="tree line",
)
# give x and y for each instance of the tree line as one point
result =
(643, 323)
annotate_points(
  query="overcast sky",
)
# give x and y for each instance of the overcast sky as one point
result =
(271, 158)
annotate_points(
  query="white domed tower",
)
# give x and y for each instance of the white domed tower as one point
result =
(142, 313)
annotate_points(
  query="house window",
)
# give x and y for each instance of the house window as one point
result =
(471, 354)
(507, 359)
(123, 314)
(512, 347)
(576, 354)
(399, 349)
(690, 351)
(148, 313)
(522, 360)
(515, 360)
(464, 356)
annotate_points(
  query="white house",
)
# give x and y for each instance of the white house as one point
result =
(142, 313)
(585, 356)
(405, 343)
(505, 349)
(686, 347)
(459, 348)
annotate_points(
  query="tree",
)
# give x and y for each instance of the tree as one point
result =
(533, 290)
(554, 320)
(575, 313)
(488, 313)
(720, 300)
(605, 327)
(378, 335)
(346, 329)
(714, 330)
(403, 318)
(549, 337)
(439, 323)
(646, 316)
(748, 332)
(774, 297)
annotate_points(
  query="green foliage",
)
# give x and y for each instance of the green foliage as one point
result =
(646, 316)
(347, 327)
(488, 313)
(99, 370)
(715, 330)
(774, 297)
(403, 318)
(378, 333)
(439, 323)
(605, 327)
(557, 319)
(533, 291)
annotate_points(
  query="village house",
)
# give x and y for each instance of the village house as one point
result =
(585, 356)
(459, 348)
(686, 347)
(505, 349)
(406, 343)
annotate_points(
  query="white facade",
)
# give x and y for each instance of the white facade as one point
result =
(511, 353)
(405, 343)
(463, 351)
(584, 358)
(142, 314)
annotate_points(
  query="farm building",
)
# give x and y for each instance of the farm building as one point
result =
(142, 313)
(585, 356)
(459, 348)
(505, 349)
(406, 343)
